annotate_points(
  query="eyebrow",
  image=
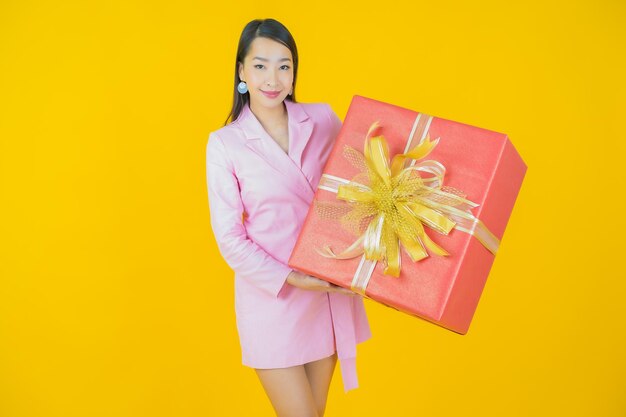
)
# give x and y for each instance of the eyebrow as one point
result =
(265, 59)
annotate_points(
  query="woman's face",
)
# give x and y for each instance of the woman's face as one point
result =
(268, 67)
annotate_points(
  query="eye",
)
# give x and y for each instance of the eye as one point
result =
(285, 66)
(258, 65)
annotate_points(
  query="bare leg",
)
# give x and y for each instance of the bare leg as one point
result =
(289, 391)
(320, 374)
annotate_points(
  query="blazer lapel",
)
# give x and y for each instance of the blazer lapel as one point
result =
(300, 129)
(258, 140)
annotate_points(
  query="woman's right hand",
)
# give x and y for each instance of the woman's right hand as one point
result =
(307, 282)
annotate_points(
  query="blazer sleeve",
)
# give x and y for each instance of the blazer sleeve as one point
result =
(244, 256)
(335, 121)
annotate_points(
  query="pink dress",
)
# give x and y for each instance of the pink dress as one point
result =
(250, 177)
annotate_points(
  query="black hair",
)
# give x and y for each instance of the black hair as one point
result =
(267, 28)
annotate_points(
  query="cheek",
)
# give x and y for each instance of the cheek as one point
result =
(253, 78)
(287, 78)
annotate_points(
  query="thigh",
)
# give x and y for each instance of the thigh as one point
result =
(289, 391)
(320, 373)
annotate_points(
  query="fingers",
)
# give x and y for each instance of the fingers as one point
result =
(337, 288)
(330, 287)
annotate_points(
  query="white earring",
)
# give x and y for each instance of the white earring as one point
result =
(242, 87)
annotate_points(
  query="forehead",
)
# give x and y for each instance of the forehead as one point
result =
(268, 49)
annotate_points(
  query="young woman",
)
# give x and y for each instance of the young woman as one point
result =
(262, 171)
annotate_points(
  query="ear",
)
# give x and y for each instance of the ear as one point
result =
(240, 70)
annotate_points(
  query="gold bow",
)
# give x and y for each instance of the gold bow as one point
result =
(389, 204)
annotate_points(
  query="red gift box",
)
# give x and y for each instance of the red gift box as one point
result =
(441, 288)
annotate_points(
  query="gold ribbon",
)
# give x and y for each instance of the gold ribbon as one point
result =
(389, 204)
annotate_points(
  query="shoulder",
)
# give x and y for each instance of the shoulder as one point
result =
(220, 142)
(228, 135)
(314, 108)
(226, 132)
(318, 110)
(323, 114)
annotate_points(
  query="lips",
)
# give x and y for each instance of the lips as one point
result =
(271, 94)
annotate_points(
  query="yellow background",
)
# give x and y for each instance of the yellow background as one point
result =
(114, 300)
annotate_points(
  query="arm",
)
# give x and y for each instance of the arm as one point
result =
(242, 254)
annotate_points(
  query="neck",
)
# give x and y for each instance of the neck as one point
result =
(270, 116)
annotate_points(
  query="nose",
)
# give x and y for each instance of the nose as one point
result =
(271, 79)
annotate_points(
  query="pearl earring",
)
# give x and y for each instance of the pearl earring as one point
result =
(242, 87)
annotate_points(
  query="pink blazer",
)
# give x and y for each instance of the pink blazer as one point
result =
(258, 198)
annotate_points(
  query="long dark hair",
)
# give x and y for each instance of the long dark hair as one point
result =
(268, 28)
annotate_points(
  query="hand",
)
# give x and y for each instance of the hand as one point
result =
(307, 282)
